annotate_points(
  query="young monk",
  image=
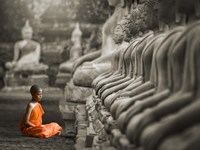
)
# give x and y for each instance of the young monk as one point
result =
(31, 124)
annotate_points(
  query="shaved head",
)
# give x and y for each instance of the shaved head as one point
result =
(34, 89)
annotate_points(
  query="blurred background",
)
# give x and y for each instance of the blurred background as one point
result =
(52, 23)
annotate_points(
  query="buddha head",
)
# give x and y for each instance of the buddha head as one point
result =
(133, 26)
(124, 30)
(76, 34)
(121, 31)
(27, 31)
(141, 23)
(150, 14)
(165, 14)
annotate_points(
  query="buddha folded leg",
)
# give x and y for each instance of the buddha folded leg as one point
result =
(126, 105)
(126, 62)
(115, 75)
(116, 71)
(112, 78)
(150, 115)
(106, 87)
(107, 82)
(151, 101)
(146, 54)
(189, 139)
(174, 103)
(121, 104)
(116, 88)
(101, 77)
(155, 133)
(191, 80)
(109, 100)
(138, 91)
(138, 107)
(139, 48)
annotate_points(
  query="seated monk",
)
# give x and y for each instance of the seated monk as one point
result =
(31, 124)
(26, 54)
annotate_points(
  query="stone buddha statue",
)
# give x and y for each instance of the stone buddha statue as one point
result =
(142, 41)
(26, 68)
(125, 58)
(184, 106)
(132, 89)
(123, 70)
(26, 54)
(88, 71)
(66, 68)
(75, 52)
(184, 109)
(161, 84)
(121, 36)
(182, 94)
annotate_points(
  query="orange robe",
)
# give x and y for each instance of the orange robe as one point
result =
(45, 131)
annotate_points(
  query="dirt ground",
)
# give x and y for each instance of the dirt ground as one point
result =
(10, 136)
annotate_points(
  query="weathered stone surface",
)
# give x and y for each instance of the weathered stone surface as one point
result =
(76, 94)
(62, 79)
(52, 52)
(90, 135)
(26, 80)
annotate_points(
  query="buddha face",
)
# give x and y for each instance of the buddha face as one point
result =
(118, 35)
(27, 34)
(113, 2)
(150, 17)
(141, 24)
(133, 27)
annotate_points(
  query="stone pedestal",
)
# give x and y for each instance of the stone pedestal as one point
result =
(67, 110)
(76, 94)
(12, 80)
(62, 79)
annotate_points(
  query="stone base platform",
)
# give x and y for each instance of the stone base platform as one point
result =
(23, 93)
(76, 94)
(62, 79)
(12, 80)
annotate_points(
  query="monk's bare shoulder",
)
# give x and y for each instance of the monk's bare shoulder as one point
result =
(31, 105)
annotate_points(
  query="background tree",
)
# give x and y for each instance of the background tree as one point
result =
(13, 14)
(92, 11)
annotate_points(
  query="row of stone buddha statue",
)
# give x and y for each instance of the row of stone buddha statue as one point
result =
(149, 98)
(27, 63)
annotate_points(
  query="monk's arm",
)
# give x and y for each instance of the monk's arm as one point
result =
(27, 116)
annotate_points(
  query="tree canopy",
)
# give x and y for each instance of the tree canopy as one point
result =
(14, 13)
